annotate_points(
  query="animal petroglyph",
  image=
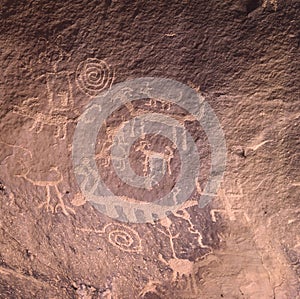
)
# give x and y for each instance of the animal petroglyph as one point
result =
(166, 156)
(150, 287)
(121, 236)
(48, 185)
(183, 274)
(59, 121)
(93, 76)
(183, 269)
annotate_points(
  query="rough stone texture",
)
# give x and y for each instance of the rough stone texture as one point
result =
(243, 56)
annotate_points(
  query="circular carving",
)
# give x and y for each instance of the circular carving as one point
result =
(123, 130)
(93, 76)
(123, 237)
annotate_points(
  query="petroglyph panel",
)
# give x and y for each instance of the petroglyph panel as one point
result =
(140, 80)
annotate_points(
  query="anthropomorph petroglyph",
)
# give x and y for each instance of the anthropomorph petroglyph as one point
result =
(121, 236)
(52, 54)
(59, 93)
(93, 76)
(227, 198)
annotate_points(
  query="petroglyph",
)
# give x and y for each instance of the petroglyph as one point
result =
(93, 76)
(150, 287)
(48, 185)
(183, 274)
(59, 121)
(227, 198)
(59, 92)
(183, 269)
(166, 156)
(52, 53)
(25, 153)
(121, 236)
(104, 152)
(274, 3)
(296, 184)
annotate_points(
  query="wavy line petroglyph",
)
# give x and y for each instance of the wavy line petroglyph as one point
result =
(121, 236)
(93, 76)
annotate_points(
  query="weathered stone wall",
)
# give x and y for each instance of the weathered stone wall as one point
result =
(241, 57)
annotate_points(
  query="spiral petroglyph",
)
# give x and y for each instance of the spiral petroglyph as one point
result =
(123, 237)
(119, 235)
(93, 76)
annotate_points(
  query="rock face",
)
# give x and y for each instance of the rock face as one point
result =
(241, 58)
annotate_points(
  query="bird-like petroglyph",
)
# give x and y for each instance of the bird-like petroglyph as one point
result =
(93, 76)
(49, 184)
(18, 163)
(121, 236)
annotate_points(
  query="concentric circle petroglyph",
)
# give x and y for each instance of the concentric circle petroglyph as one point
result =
(93, 76)
(120, 137)
(123, 237)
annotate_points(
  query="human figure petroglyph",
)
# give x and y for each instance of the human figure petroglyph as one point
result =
(48, 185)
(59, 91)
(52, 53)
(121, 236)
(105, 151)
(227, 199)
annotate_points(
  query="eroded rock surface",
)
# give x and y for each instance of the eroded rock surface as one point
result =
(242, 57)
